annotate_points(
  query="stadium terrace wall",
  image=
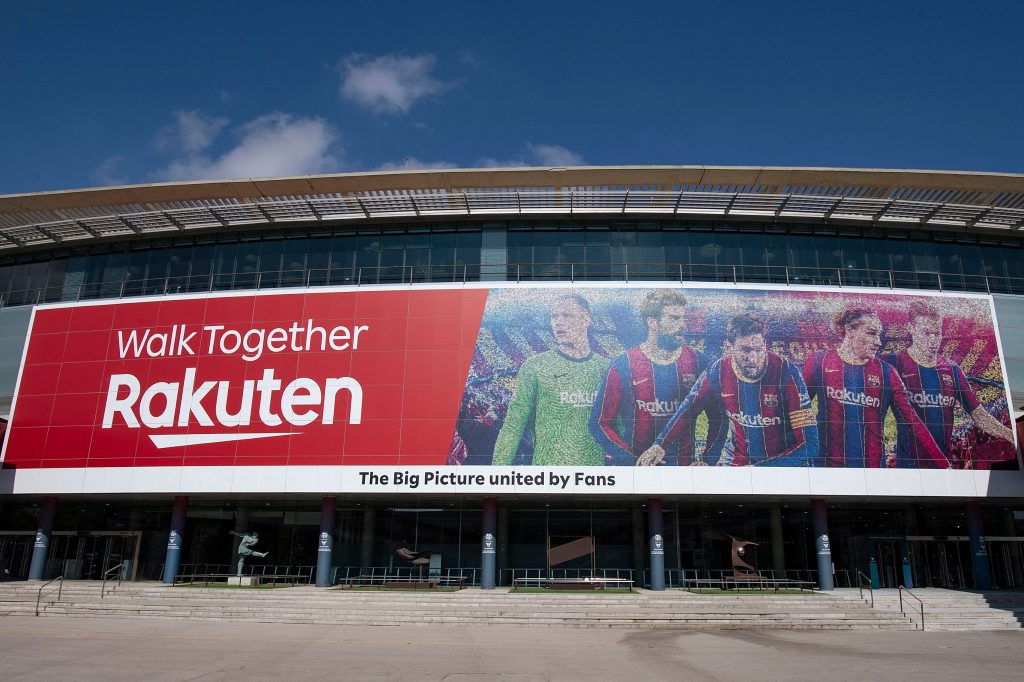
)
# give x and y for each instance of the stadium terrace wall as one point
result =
(475, 391)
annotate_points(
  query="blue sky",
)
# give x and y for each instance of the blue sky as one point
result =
(97, 93)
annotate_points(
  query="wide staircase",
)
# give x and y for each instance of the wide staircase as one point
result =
(676, 609)
(670, 609)
(957, 610)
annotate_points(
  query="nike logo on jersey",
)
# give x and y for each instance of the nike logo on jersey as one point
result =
(637, 382)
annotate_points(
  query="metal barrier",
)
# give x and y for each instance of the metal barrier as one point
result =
(379, 575)
(509, 576)
(60, 590)
(269, 573)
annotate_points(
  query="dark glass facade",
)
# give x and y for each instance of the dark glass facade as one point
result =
(519, 250)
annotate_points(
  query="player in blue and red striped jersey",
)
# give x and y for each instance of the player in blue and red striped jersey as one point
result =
(855, 390)
(936, 384)
(644, 386)
(762, 396)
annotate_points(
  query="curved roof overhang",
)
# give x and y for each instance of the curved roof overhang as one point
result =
(990, 203)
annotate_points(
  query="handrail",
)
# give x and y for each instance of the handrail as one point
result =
(60, 590)
(920, 603)
(871, 587)
(164, 284)
(107, 576)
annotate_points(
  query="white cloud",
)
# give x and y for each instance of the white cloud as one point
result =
(536, 155)
(191, 132)
(554, 155)
(390, 84)
(110, 171)
(273, 144)
(412, 163)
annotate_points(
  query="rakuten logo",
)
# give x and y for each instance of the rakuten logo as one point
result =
(658, 408)
(922, 399)
(183, 403)
(848, 397)
(578, 398)
(755, 421)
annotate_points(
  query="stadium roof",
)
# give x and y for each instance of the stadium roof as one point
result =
(991, 203)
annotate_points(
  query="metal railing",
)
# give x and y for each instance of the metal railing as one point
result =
(861, 578)
(509, 576)
(518, 272)
(109, 574)
(269, 573)
(919, 603)
(379, 575)
(60, 590)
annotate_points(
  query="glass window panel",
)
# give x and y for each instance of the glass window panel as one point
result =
(829, 254)
(677, 247)
(5, 278)
(925, 256)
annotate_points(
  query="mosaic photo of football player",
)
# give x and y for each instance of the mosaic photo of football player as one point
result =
(646, 384)
(762, 397)
(855, 389)
(554, 394)
(936, 385)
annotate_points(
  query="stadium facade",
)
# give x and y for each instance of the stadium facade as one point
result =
(705, 372)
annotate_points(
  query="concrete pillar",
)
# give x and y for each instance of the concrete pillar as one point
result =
(657, 543)
(325, 544)
(822, 545)
(489, 543)
(778, 548)
(979, 548)
(366, 547)
(502, 540)
(639, 560)
(175, 539)
(41, 547)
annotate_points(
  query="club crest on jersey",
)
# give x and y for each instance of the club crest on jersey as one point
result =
(688, 378)
(874, 381)
(947, 379)
(771, 399)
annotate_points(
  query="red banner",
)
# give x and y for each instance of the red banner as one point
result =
(330, 378)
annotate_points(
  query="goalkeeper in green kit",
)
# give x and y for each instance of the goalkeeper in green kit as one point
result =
(555, 393)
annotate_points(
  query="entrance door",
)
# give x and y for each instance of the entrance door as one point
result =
(1007, 561)
(15, 555)
(890, 566)
(90, 556)
(941, 562)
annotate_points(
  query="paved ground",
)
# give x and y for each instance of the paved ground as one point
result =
(103, 649)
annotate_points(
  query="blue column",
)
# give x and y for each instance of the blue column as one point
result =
(325, 545)
(979, 548)
(175, 539)
(873, 564)
(41, 547)
(657, 543)
(489, 543)
(908, 577)
(822, 546)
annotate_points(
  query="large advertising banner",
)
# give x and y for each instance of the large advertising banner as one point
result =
(735, 377)
(515, 376)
